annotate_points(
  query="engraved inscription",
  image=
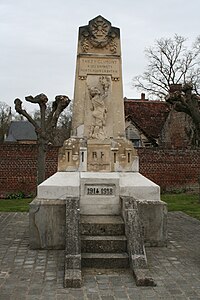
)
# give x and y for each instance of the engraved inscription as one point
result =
(98, 157)
(103, 66)
(100, 190)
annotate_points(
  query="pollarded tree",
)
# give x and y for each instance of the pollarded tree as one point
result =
(46, 128)
(184, 99)
(170, 62)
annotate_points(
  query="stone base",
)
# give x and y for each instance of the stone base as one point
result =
(143, 278)
(99, 194)
(47, 224)
(72, 278)
(154, 220)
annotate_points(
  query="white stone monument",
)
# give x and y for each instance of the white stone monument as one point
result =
(97, 165)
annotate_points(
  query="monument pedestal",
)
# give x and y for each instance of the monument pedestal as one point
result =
(99, 194)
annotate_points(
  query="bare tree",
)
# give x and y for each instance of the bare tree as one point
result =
(170, 62)
(47, 128)
(184, 99)
(5, 118)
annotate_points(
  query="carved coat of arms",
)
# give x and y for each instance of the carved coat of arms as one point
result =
(99, 34)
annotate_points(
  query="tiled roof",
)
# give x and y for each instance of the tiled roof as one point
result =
(21, 131)
(148, 115)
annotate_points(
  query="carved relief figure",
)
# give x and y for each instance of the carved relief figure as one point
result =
(99, 110)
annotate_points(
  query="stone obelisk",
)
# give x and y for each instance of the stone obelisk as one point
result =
(98, 141)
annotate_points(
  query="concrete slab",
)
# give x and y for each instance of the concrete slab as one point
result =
(59, 186)
(136, 185)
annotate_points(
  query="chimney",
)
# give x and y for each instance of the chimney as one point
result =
(143, 96)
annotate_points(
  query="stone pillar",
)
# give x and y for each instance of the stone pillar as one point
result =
(135, 242)
(72, 248)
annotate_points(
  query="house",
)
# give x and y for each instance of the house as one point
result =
(22, 132)
(151, 123)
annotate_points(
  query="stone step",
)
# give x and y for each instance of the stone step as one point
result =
(97, 244)
(105, 260)
(102, 225)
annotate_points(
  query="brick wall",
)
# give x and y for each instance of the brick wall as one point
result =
(18, 167)
(171, 169)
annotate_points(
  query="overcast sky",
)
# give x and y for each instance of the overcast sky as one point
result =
(38, 40)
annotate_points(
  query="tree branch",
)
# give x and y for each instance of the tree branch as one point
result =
(23, 112)
(60, 103)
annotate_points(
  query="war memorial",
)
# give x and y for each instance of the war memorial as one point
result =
(98, 207)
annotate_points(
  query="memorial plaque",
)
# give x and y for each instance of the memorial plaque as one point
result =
(100, 190)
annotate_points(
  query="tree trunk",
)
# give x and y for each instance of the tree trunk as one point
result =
(41, 160)
(42, 145)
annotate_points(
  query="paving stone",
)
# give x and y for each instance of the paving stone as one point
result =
(61, 297)
(120, 294)
(93, 297)
(38, 275)
(5, 297)
(108, 298)
(103, 286)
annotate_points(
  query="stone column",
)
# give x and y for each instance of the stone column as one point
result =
(72, 248)
(135, 242)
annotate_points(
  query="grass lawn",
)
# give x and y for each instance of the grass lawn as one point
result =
(15, 204)
(176, 202)
(183, 202)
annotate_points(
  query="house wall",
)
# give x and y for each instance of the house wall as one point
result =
(171, 169)
(131, 130)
